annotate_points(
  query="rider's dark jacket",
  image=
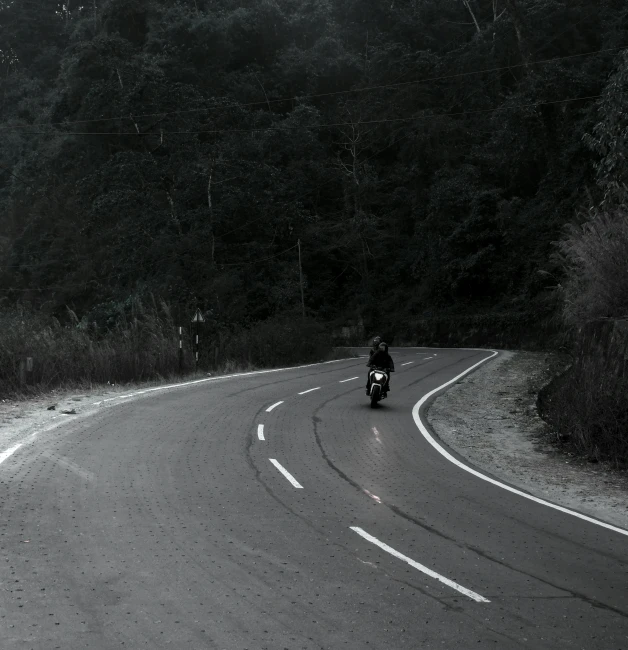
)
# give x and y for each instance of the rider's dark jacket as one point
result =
(381, 359)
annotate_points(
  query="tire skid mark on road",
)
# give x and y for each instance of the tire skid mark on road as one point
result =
(286, 473)
(576, 595)
(391, 506)
(277, 382)
(420, 567)
(449, 365)
(66, 463)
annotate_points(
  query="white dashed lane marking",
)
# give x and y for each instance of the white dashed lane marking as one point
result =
(286, 473)
(421, 567)
(342, 381)
(407, 363)
(272, 406)
(260, 431)
(309, 390)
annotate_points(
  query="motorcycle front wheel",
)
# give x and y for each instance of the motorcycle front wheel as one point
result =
(375, 395)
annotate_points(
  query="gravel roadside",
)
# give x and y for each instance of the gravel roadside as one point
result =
(490, 418)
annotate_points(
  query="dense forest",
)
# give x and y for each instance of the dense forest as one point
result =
(427, 154)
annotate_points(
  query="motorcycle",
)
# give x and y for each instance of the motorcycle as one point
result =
(379, 381)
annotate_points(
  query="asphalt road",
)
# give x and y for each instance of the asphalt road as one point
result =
(161, 522)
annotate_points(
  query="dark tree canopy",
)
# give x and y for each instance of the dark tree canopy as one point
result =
(426, 154)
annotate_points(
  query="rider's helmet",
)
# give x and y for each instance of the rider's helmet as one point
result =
(377, 341)
(383, 346)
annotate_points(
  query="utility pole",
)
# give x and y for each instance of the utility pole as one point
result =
(301, 280)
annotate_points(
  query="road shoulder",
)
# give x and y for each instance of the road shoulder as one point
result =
(490, 418)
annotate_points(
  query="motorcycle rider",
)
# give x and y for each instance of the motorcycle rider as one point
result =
(381, 359)
(376, 341)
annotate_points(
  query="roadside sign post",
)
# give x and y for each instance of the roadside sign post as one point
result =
(180, 349)
(198, 318)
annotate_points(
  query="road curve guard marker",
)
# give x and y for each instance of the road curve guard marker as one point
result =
(441, 450)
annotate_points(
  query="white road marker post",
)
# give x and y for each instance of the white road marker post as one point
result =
(198, 318)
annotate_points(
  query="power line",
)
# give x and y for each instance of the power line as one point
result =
(264, 259)
(84, 285)
(314, 95)
(330, 125)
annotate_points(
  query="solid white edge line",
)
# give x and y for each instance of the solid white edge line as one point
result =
(286, 473)
(342, 381)
(221, 378)
(310, 390)
(421, 567)
(272, 406)
(260, 432)
(441, 450)
(9, 452)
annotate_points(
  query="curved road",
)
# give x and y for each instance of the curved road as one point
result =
(162, 522)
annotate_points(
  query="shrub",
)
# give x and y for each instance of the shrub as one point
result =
(588, 404)
(595, 256)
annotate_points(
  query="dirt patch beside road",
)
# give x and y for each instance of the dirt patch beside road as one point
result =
(490, 418)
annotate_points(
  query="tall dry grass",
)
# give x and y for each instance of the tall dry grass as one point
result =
(595, 258)
(143, 345)
(588, 405)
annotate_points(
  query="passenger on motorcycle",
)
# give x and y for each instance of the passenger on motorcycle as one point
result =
(376, 341)
(380, 359)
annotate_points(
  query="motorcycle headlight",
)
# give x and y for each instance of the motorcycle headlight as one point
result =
(378, 376)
